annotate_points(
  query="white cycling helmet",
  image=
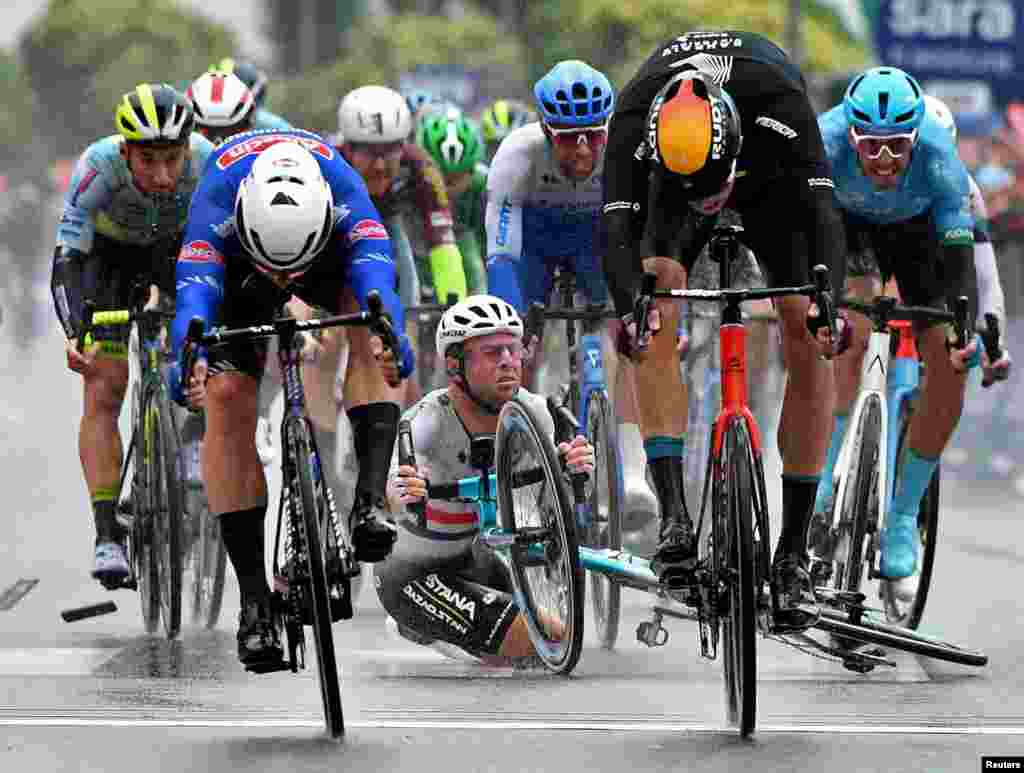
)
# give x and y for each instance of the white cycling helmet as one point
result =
(220, 99)
(374, 114)
(284, 210)
(940, 111)
(474, 316)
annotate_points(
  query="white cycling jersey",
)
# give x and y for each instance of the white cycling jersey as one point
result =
(535, 210)
(442, 456)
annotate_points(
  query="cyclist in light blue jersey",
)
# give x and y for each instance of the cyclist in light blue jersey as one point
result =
(122, 222)
(543, 213)
(904, 194)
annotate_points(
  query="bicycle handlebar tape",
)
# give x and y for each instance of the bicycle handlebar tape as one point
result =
(534, 325)
(990, 338)
(111, 318)
(961, 321)
(407, 457)
(81, 613)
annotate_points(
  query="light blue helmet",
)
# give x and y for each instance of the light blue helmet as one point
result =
(884, 100)
(418, 99)
(574, 93)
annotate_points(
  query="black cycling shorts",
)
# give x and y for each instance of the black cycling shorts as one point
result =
(113, 268)
(466, 601)
(909, 250)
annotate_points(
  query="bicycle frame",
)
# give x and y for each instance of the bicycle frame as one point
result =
(903, 385)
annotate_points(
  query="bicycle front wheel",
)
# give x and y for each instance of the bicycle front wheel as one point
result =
(532, 502)
(306, 507)
(737, 575)
(605, 530)
(209, 564)
(163, 459)
(858, 514)
(904, 600)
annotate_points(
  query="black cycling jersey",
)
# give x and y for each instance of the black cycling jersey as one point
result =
(783, 176)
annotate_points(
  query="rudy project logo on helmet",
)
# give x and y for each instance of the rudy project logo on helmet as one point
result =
(197, 251)
(717, 128)
(256, 145)
(367, 229)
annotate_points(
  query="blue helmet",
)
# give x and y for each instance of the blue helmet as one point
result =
(884, 100)
(574, 93)
(419, 98)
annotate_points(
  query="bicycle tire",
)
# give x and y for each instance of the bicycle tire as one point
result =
(903, 612)
(162, 455)
(605, 530)
(861, 493)
(209, 566)
(305, 508)
(734, 549)
(897, 637)
(522, 447)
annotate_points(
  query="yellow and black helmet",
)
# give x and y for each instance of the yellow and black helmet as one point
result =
(155, 114)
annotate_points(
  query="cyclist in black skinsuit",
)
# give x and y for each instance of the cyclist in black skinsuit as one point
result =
(715, 119)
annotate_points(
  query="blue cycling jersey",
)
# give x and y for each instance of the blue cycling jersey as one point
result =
(936, 181)
(359, 244)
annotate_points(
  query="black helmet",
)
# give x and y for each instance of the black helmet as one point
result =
(693, 130)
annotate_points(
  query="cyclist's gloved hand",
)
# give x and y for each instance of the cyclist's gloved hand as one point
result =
(624, 332)
(996, 371)
(818, 327)
(174, 384)
(969, 357)
(407, 357)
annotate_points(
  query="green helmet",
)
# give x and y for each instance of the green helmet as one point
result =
(504, 115)
(452, 140)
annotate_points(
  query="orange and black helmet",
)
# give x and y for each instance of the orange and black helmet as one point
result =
(693, 130)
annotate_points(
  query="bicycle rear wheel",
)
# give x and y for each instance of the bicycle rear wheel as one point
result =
(737, 575)
(163, 459)
(546, 573)
(306, 507)
(904, 600)
(605, 530)
(858, 514)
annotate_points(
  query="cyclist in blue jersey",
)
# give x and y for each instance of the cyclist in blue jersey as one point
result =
(256, 80)
(543, 213)
(904, 195)
(121, 223)
(279, 214)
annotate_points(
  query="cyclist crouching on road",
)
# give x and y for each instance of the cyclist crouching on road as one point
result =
(122, 222)
(480, 341)
(280, 214)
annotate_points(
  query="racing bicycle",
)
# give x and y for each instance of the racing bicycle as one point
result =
(845, 542)
(313, 561)
(149, 506)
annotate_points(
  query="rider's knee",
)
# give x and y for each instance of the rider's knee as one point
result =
(105, 390)
(233, 396)
(360, 352)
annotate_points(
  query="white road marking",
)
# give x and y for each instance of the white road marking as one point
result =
(52, 661)
(624, 726)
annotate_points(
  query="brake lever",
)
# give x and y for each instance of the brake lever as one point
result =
(407, 458)
(380, 323)
(826, 305)
(642, 309)
(190, 353)
(990, 338)
(566, 428)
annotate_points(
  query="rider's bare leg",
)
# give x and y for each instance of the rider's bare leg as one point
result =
(99, 441)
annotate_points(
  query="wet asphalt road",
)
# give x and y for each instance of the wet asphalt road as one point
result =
(97, 695)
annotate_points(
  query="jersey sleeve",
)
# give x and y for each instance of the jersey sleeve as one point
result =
(787, 128)
(200, 266)
(359, 234)
(432, 197)
(503, 219)
(92, 187)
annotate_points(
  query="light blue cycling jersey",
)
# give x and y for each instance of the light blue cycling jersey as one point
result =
(537, 219)
(936, 181)
(264, 119)
(102, 198)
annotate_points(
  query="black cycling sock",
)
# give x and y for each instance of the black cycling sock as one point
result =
(242, 532)
(374, 429)
(107, 527)
(798, 492)
(667, 473)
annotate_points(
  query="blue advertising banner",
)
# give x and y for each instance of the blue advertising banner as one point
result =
(978, 43)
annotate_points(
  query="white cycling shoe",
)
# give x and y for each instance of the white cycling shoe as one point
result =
(265, 441)
(111, 562)
(447, 649)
